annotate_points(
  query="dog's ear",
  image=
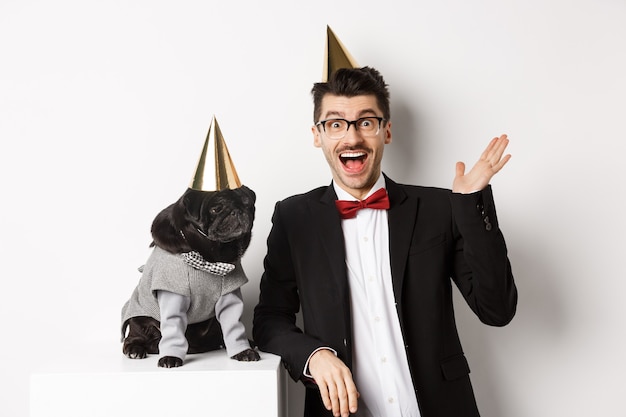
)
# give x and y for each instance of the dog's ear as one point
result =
(192, 202)
(189, 216)
(248, 196)
(166, 232)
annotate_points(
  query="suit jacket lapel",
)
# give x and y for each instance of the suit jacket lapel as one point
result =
(328, 224)
(401, 216)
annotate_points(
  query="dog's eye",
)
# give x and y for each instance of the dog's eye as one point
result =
(215, 209)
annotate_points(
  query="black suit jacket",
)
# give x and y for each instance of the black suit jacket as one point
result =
(436, 237)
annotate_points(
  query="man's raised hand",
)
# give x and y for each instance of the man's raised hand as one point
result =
(490, 162)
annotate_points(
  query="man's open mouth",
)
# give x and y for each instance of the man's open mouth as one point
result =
(353, 160)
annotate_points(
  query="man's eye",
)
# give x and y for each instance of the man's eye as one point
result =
(335, 125)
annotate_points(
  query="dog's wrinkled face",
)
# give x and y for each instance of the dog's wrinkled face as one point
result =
(222, 216)
(217, 224)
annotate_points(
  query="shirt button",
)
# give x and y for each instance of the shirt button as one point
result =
(365, 239)
(390, 399)
(383, 359)
(377, 319)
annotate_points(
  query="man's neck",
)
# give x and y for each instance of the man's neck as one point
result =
(343, 194)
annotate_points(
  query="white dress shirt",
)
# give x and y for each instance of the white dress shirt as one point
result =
(380, 367)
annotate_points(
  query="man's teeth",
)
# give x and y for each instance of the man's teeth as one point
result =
(352, 154)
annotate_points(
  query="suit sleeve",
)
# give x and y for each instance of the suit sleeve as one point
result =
(173, 309)
(228, 311)
(274, 323)
(482, 270)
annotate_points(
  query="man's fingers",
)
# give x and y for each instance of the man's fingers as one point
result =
(342, 401)
(334, 379)
(353, 396)
(496, 148)
(487, 152)
(502, 163)
(334, 400)
(339, 396)
(324, 394)
(460, 169)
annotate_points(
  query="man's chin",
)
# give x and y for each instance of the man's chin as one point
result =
(354, 183)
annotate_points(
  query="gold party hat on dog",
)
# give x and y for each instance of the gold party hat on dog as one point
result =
(336, 56)
(215, 170)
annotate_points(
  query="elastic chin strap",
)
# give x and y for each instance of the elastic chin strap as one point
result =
(199, 231)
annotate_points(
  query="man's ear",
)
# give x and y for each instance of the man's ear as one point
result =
(317, 141)
(387, 133)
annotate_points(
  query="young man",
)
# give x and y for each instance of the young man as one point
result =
(374, 284)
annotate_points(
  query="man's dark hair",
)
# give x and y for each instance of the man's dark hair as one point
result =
(351, 82)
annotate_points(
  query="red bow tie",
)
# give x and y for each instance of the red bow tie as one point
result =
(378, 200)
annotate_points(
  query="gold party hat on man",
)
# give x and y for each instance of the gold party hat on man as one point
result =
(215, 170)
(336, 55)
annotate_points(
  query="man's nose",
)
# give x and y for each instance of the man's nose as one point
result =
(352, 135)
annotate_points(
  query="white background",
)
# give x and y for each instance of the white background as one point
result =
(104, 107)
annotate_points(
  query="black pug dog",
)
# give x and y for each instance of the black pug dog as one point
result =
(188, 299)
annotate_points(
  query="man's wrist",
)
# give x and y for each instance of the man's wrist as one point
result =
(306, 365)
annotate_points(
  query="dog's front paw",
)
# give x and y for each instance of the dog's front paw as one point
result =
(170, 362)
(135, 351)
(248, 355)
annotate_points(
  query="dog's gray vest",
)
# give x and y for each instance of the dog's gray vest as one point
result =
(169, 272)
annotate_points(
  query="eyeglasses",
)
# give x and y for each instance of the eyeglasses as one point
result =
(338, 128)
